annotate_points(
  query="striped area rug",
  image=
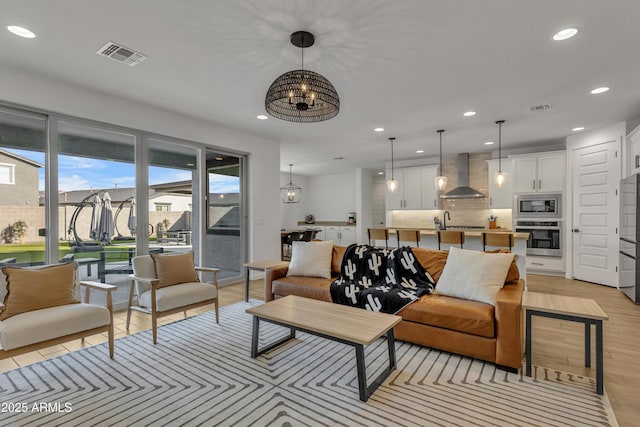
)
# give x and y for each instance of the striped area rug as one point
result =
(201, 373)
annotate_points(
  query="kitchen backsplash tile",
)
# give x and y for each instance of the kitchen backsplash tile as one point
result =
(463, 211)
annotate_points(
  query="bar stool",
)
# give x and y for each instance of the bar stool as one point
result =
(505, 240)
(408, 236)
(379, 234)
(452, 237)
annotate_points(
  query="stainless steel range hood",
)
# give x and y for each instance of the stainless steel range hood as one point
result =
(463, 191)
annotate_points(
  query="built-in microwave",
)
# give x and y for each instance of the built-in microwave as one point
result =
(538, 206)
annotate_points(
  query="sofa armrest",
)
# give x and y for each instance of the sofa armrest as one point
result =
(271, 274)
(509, 325)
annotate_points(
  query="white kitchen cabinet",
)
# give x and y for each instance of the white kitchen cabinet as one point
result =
(539, 173)
(408, 195)
(342, 235)
(430, 196)
(545, 264)
(633, 150)
(416, 189)
(347, 235)
(500, 197)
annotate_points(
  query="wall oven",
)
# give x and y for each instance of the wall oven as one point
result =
(538, 205)
(545, 237)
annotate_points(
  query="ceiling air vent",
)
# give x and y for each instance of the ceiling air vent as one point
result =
(540, 108)
(122, 54)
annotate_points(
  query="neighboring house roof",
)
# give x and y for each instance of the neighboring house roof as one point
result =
(22, 159)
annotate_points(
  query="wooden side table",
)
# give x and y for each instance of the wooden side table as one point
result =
(258, 266)
(574, 309)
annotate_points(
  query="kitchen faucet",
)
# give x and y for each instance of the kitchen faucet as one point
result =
(444, 217)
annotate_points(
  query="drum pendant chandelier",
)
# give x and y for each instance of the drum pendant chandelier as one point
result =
(302, 96)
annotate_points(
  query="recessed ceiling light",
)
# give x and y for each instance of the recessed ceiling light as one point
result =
(190, 164)
(21, 31)
(380, 173)
(378, 130)
(567, 33)
(469, 113)
(488, 143)
(262, 117)
(419, 151)
(598, 90)
(219, 158)
(579, 128)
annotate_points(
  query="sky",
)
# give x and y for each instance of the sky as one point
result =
(82, 173)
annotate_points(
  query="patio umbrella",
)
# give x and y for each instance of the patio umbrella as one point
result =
(131, 222)
(95, 217)
(106, 227)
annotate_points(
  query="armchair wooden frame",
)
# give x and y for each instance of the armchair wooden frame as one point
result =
(155, 314)
(452, 237)
(88, 285)
(412, 235)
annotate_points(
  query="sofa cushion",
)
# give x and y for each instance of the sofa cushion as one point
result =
(179, 295)
(336, 259)
(513, 275)
(433, 261)
(26, 328)
(474, 275)
(308, 287)
(30, 289)
(311, 259)
(173, 269)
(457, 314)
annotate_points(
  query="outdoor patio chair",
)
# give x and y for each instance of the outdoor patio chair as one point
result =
(164, 284)
(43, 309)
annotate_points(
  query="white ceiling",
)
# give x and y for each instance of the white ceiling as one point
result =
(410, 66)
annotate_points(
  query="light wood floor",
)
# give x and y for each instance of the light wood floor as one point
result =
(556, 344)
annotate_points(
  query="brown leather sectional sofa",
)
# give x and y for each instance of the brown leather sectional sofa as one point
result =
(455, 325)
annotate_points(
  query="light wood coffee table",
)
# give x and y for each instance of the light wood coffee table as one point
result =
(574, 309)
(347, 325)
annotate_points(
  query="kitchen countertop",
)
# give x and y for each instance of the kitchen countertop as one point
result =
(474, 232)
(324, 223)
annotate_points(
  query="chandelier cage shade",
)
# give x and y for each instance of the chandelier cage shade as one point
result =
(290, 193)
(392, 184)
(302, 96)
(499, 178)
(440, 180)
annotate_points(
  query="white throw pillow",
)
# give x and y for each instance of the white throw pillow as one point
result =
(474, 275)
(312, 259)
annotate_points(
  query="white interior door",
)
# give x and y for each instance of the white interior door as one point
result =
(596, 178)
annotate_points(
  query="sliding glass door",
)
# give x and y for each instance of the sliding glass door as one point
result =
(22, 187)
(224, 240)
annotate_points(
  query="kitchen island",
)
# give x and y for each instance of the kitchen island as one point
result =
(473, 241)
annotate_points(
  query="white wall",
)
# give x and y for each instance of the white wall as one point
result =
(264, 155)
(364, 203)
(332, 197)
(291, 213)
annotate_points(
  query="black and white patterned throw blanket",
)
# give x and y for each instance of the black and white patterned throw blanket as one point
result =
(381, 280)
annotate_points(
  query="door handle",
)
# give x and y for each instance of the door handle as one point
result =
(490, 201)
(637, 161)
(539, 184)
(575, 230)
